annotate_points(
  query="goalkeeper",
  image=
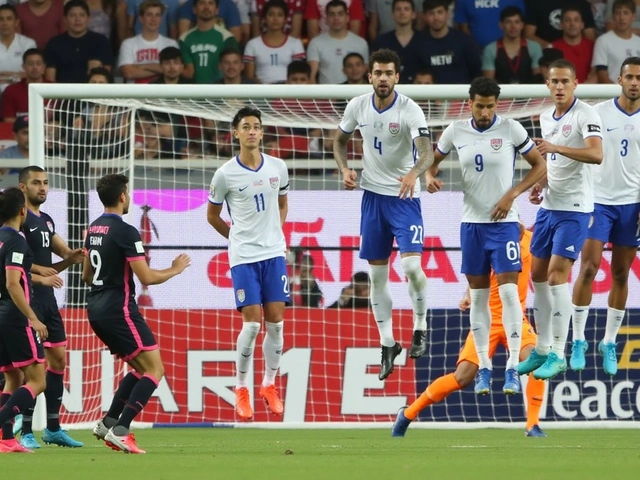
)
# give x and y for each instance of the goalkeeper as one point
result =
(467, 365)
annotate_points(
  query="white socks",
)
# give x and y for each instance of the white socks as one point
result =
(244, 351)
(412, 267)
(560, 317)
(614, 320)
(272, 351)
(542, 315)
(380, 296)
(480, 316)
(579, 321)
(511, 321)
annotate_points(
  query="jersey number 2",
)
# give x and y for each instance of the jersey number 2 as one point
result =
(96, 263)
(377, 145)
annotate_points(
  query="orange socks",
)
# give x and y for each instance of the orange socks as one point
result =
(436, 392)
(535, 394)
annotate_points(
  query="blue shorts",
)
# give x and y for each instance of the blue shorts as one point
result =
(617, 224)
(559, 233)
(490, 245)
(260, 283)
(384, 218)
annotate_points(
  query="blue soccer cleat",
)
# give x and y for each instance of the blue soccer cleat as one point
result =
(533, 361)
(609, 357)
(483, 382)
(577, 361)
(17, 424)
(29, 441)
(60, 438)
(511, 382)
(534, 431)
(552, 367)
(401, 424)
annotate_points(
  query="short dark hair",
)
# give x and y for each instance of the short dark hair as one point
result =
(570, 8)
(110, 187)
(195, 2)
(11, 202)
(76, 3)
(630, 4)
(169, 53)
(245, 112)
(228, 51)
(338, 3)
(563, 63)
(511, 11)
(629, 61)
(424, 71)
(550, 55)
(349, 55)
(484, 87)
(30, 52)
(298, 66)
(360, 277)
(275, 4)
(25, 173)
(9, 7)
(395, 2)
(384, 55)
(433, 4)
(101, 71)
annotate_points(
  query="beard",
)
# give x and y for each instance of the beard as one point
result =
(384, 95)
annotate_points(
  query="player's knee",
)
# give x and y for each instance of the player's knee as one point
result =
(465, 374)
(588, 270)
(57, 362)
(379, 276)
(412, 268)
(619, 275)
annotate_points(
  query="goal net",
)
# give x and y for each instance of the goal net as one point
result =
(169, 141)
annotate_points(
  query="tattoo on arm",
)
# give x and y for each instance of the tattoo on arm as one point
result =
(425, 155)
(340, 149)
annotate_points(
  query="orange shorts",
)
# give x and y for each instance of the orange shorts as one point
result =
(496, 336)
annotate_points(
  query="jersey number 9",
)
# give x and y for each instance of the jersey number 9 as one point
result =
(479, 163)
(96, 263)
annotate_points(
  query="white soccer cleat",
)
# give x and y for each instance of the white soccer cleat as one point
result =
(100, 430)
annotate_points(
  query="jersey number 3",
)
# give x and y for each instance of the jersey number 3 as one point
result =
(96, 263)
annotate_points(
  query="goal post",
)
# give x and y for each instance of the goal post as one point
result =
(169, 140)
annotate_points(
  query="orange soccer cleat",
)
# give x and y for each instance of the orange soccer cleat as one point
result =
(272, 399)
(125, 443)
(12, 446)
(243, 403)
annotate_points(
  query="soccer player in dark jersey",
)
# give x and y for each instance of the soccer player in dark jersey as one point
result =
(21, 351)
(114, 253)
(40, 232)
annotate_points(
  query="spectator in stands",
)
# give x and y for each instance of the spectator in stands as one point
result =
(15, 99)
(612, 48)
(404, 40)
(423, 77)
(100, 75)
(41, 20)
(327, 51)
(543, 20)
(317, 13)
(450, 54)
(172, 67)
(355, 69)
(293, 22)
(168, 26)
(549, 55)
(607, 15)
(305, 291)
(139, 56)
(201, 46)
(232, 68)
(71, 55)
(267, 56)
(12, 47)
(101, 13)
(21, 134)
(478, 18)
(574, 46)
(356, 294)
(227, 17)
(381, 18)
(512, 59)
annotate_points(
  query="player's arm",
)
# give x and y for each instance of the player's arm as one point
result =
(216, 221)
(424, 152)
(43, 271)
(18, 297)
(343, 135)
(591, 153)
(69, 256)
(51, 281)
(283, 208)
(149, 276)
(87, 271)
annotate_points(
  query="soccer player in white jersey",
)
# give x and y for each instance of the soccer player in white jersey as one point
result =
(572, 143)
(255, 187)
(487, 146)
(615, 217)
(397, 150)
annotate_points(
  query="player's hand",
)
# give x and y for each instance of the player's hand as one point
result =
(181, 262)
(40, 328)
(545, 147)
(502, 208)
(433, 184)
(535, 195)
(52, 281)
(349, 178)
(464, 304)
(76, 256)
(47, 271)
(408, 186)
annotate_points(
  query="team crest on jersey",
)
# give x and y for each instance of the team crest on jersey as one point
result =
(274, 181)
(628, 128)
(50, 225)
(240, 294)
(496, 143)
(394, 128)
(377, 126)
(566, 130)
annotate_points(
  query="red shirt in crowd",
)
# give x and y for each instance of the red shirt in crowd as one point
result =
(580, 55)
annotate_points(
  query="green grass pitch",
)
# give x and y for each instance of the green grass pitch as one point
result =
(238, 454)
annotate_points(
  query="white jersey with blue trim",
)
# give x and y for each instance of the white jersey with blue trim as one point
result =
(569, 182)
(619, 183)
(387, 137)
(487, 160)
(252, 199)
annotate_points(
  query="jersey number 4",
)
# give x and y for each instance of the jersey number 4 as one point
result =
(96, 263)
(377, 145)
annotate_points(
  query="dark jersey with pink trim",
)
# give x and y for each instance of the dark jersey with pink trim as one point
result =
(39, 231)
(14, 255)
(111, 244)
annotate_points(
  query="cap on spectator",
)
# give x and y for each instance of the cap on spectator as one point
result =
(20, 123)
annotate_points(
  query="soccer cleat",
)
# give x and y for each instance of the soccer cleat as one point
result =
(552, 367)
(272, 399)
(125, 443)
(534, 431)
(483, 381)
(511, 382)
(401, 424)
(578, 362)
(609, 357)
(418, 344)
(60, 438)
(389, 354)
(533, 361)
(29, 441)
(12, 446)
(243, 403)
(100, 430)
(17, 424)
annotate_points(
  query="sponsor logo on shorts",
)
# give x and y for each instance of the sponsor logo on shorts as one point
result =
(240, 295)
(566, 130)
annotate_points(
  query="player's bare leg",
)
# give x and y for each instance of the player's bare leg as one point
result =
(381, 304)
(245, 345)
(512, 324)
(534, 396)
(412, 266)
(272, 351)
(582, 293)
(480, 319)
